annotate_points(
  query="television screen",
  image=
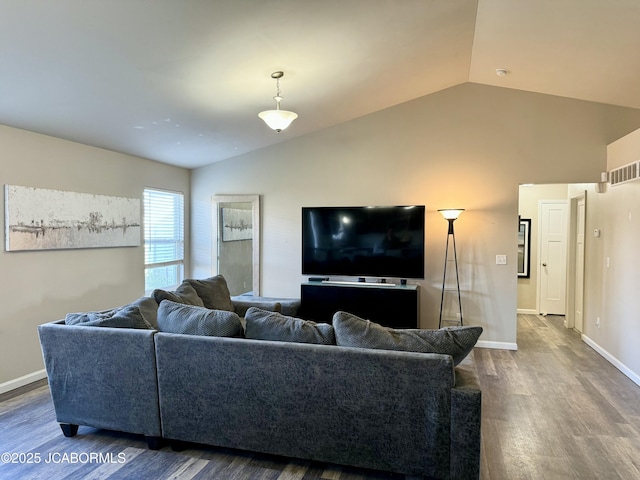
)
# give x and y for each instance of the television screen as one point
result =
(363, 241)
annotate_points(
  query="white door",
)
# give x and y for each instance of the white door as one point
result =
(553, 257)
(579, 263)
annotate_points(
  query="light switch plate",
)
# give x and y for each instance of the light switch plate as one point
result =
(501, 259)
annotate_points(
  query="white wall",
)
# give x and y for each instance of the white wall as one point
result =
(37, 287)
(469, 146)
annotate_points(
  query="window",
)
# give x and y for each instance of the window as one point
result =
(163, 240)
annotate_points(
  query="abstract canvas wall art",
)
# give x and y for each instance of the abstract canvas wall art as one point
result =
(43, 219)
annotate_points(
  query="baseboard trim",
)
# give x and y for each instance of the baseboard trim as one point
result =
(497, 345)
(527, 311)
(22, 381)
(633, 376)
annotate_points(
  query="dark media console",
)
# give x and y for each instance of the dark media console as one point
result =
(396, 306)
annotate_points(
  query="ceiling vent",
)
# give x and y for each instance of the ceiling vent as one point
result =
(627, 173)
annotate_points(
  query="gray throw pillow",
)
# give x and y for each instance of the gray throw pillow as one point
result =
(214, 292)
(264, 325)
(149, 310)
(185, 293)
(192, 320)
(353, 331)
(128, 316)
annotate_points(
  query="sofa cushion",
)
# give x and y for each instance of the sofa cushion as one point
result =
(214, 292)
(128, 316)
(193, 320)
(353, 331)
(185, 293)
(264, 325)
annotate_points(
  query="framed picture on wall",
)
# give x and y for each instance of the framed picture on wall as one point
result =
(45, 219)
(524, 247)
(236, 224)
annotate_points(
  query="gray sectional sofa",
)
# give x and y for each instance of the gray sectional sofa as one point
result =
(286, 393)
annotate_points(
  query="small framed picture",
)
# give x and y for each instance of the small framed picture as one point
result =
(524, 247)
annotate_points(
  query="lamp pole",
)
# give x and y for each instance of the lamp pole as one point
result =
(450, 215)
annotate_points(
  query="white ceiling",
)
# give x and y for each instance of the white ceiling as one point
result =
(182, 81)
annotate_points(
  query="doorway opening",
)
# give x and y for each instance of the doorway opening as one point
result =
(555, 281)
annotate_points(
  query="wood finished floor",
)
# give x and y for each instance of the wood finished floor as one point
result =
(554, 409)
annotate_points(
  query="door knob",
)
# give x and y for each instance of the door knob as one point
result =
(544, 264)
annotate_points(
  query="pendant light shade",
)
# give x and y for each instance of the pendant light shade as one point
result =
(278, 119)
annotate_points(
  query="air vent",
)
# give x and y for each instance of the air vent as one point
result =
(625, 174)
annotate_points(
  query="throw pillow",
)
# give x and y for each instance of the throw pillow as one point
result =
(265, 325)
(185, 293)
(193, 320)
(214, 292)
(149, 310)
(353, 331)
(128, 316)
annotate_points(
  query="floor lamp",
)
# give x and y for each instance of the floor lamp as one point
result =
(450, 214)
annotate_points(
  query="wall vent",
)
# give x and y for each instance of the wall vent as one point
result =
(627, 173)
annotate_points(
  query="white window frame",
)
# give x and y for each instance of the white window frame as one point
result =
(153, 199)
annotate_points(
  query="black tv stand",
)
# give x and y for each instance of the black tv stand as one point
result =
(396, 306)
(357, 284)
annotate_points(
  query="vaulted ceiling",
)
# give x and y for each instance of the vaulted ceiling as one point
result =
(182, 81)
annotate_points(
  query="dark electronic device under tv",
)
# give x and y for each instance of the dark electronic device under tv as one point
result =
(363, 241)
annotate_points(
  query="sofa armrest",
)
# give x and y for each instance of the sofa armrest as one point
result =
(286, 306)
(102, 377)
(242, 305)
(466, 410)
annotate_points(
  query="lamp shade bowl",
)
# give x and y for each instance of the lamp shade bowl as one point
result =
(451, 213)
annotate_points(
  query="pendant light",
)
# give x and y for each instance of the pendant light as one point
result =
(278, 119)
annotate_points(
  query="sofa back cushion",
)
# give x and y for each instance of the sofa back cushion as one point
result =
(264, 325)
(193, 320)
(353, 331)
(214, 292)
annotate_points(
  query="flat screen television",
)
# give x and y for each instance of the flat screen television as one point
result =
(363, 241)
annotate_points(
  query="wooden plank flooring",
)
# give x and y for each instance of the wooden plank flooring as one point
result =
(554, 409)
